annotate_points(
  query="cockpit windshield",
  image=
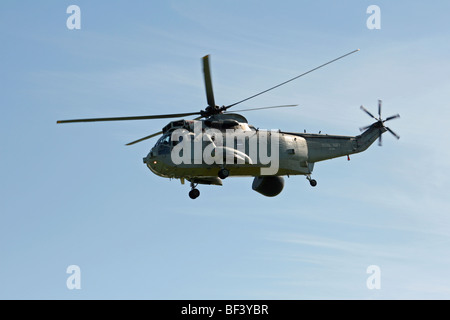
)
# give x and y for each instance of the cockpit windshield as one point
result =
(164, 140)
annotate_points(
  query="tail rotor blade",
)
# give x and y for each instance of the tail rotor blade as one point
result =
(393, 133)
(365, 128)
(380, 139)
(367, 111)
(392, 117)
(379, 109)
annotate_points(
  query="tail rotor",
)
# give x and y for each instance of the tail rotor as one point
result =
(380, 122)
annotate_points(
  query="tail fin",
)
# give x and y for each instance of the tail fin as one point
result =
(369, 136)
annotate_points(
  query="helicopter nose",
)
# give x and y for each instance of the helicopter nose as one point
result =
(156, 166)
(153, 163)
(147, 159)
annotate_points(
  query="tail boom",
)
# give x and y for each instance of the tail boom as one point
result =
(324, 147)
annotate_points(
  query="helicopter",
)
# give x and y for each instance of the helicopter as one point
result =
(218, 144)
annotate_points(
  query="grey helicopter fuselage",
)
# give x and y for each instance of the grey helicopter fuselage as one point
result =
(297, 152)
(159, 160)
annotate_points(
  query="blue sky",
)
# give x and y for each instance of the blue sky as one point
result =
(75, 195)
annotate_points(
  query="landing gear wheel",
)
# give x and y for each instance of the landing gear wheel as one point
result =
(194, 193)
(224, 173)
(312, 182)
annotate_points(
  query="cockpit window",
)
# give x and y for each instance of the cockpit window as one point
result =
(164, 140)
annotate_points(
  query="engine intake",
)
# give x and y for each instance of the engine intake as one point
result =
(269, 186)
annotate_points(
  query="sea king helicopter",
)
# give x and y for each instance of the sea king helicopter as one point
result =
(195, 150)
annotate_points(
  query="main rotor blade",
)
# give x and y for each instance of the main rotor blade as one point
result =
(208, 82)
(145, 138)
(283, 106)
(161, 116)
(395, 135)
(279, 85)
(392, 117)
(367, 111)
